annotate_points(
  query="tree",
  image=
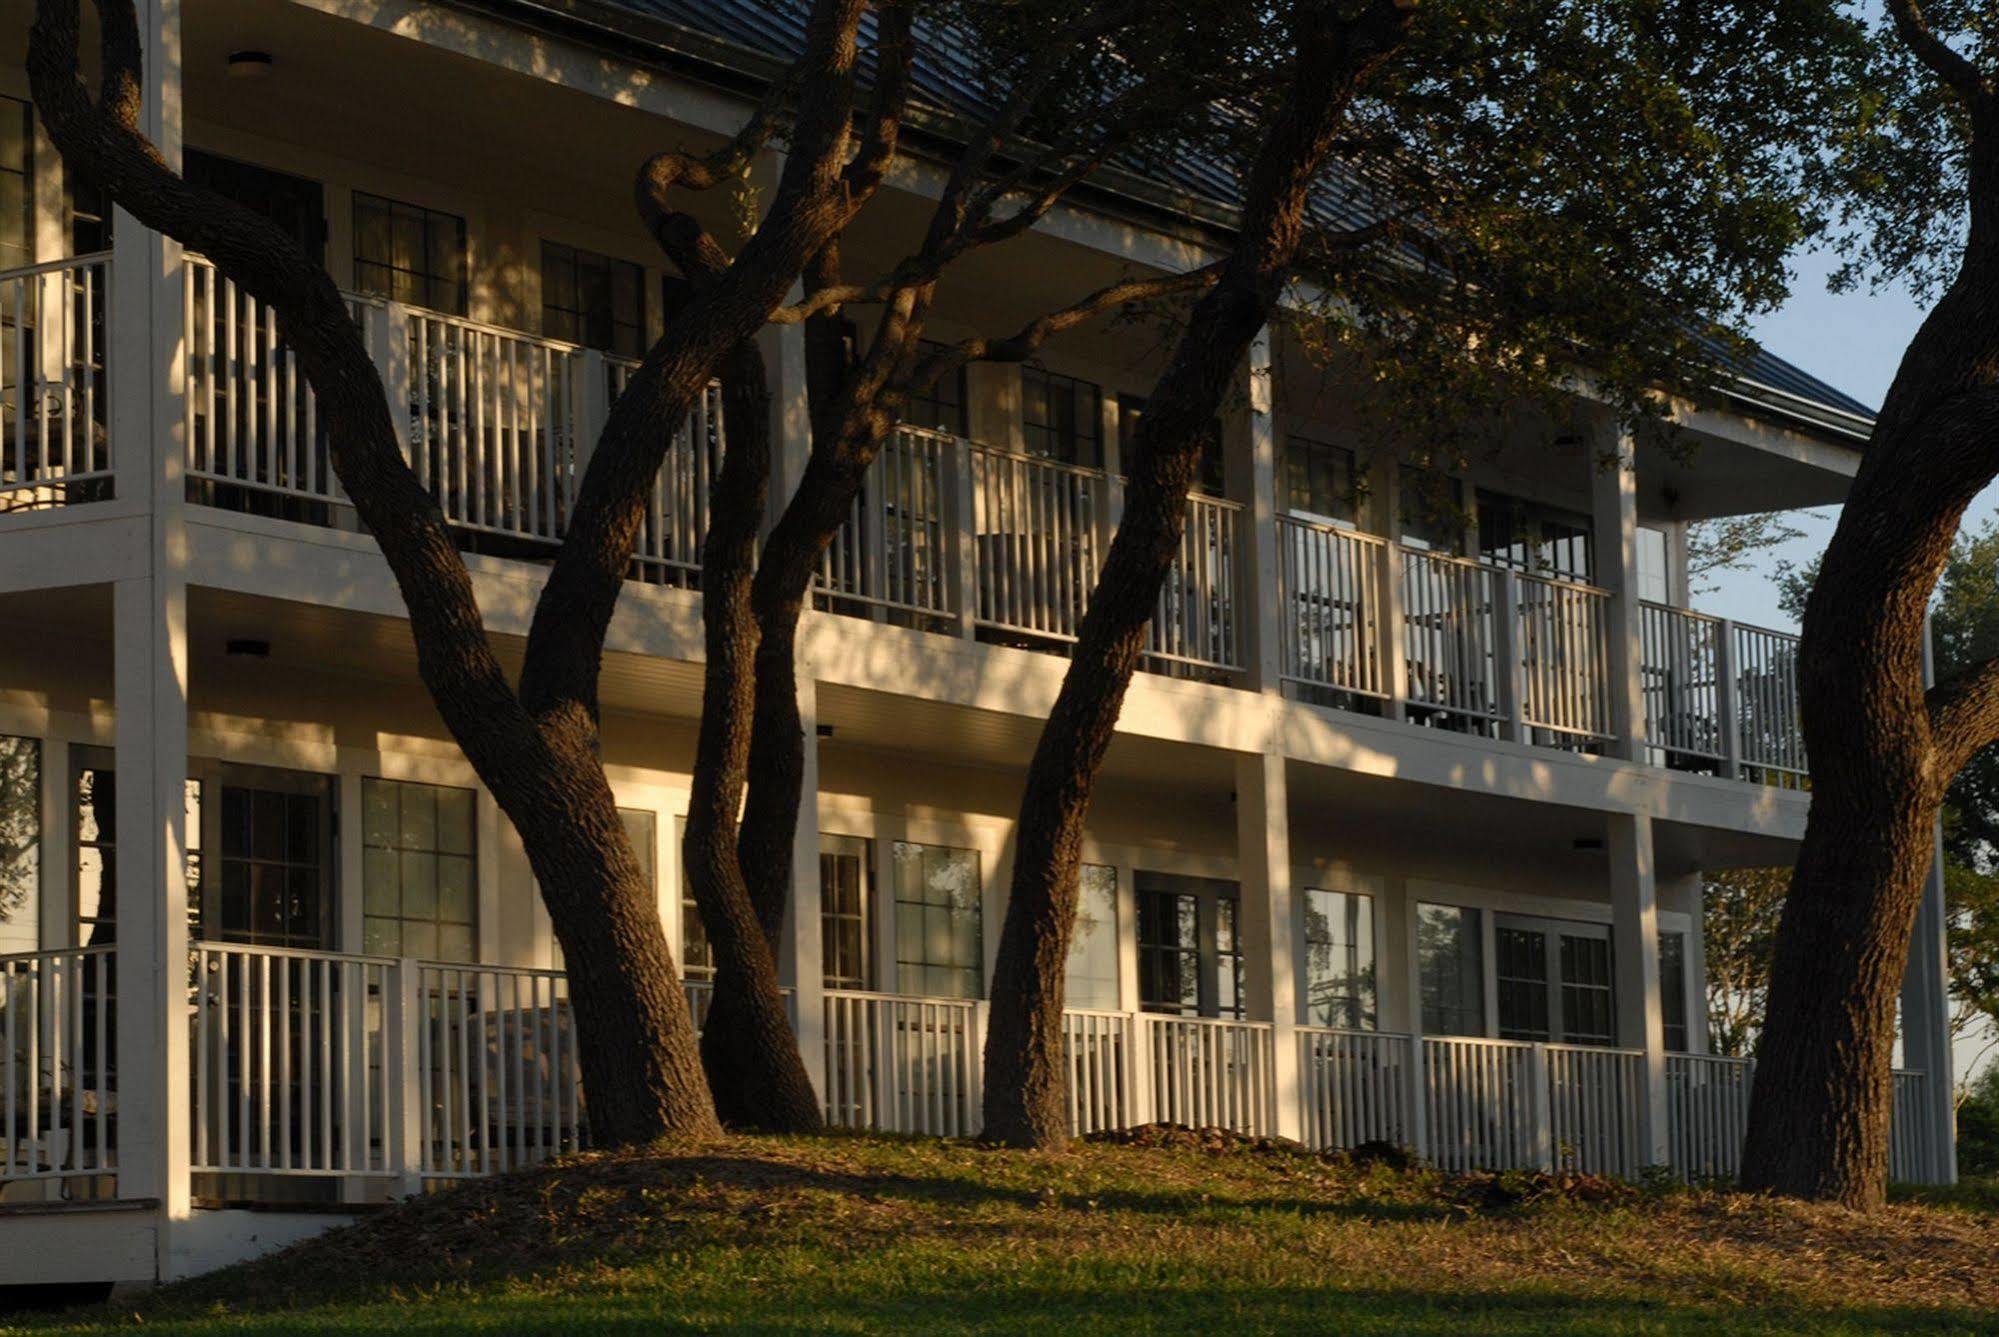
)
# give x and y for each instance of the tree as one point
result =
(1732, 542)
(1528, 166)
(1739, 913)
(534, 742)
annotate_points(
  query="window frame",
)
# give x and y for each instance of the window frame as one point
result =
(438, 852)
(427, 277)
(613, 267)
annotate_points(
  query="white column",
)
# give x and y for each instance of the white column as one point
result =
(801, 962)
(1269, 921)
(1634, 903)
(1250, 452)
(1383, 516)
(783, 348)
(1926, 1038)
(1614, 492)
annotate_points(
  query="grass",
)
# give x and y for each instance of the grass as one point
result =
(1173, 1234)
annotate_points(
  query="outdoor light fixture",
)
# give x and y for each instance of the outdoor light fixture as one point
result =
(247, 647)
(249, 64)
(1586, 843)
(825, 731)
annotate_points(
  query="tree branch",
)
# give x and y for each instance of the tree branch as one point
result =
(1964, 717)
(1913, 26)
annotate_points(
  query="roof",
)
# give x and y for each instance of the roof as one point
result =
(771, 33)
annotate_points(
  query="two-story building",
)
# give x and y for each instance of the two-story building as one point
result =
(1401, 837)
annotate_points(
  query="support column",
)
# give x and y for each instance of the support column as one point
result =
(1268, 924)
(1926, 1038)
(1383, 515)
(1250, 455)
(1614, 495)
(150, 679)
(801, 963)
(783, 348)
(1634, 902)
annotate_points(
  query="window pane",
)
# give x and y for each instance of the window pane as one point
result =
(1673, 989)
(20, 844)
(592, 299)
(1339, 959)
(1450, 955)
(408, 253)
(1093, 951)
(419, 875)
(1521, 968)
(845, 873)
(939, 945)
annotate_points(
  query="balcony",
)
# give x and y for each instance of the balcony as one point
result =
(948, 535)
(379, 1075)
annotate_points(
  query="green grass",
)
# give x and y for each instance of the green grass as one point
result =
(853, 1234)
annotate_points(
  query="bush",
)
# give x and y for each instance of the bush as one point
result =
(1978, 1127)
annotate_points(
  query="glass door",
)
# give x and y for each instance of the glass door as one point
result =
(1555, 981)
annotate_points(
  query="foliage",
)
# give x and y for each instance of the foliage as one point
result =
(1732, 543)
(1739, 913)
(1978, 1127)
(877, 1234)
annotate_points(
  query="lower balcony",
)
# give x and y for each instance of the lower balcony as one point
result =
(332, 1078)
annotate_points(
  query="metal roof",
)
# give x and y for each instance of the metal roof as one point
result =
(945, 75)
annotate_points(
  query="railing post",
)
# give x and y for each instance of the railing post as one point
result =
(1393, 635)
(1540, 1109)
(961, 520)
(975, 1077)
(1506, 663)
(1726, 704)
(389, 337)
(407, 1102)
(1143, 1082)
(1419, 1098)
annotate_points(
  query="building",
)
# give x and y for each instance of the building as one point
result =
(1401, 837)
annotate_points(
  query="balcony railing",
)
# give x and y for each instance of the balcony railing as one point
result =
(343, 1067)
(945, 535)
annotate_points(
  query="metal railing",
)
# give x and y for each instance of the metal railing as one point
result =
(1331, 583)
(1561, 650)
(1210, 1072)
(904, 1065)
(1359, 1087)
(55, 448)
(59, 1041)
(1451, 631)
(1707, 1113)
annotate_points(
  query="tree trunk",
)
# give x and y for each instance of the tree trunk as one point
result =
(1024, 1066)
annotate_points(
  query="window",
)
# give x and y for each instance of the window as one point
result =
(1527, 536)
(1339, 959)
(1450, 950)
(1062, 418)
(407, 253)
(1093, 954)
(1654, 559)
(1673, 989)
(697, 956)
(642, 830)
(418, 887)
(1554, 981)
(939, 948)
(1432, 507)
(1190, 959)
(1521, 969)
(1589, 1010)
(941, 407)
(20, 844)
(592, 299)
(1319, 480)
(274, 859)
(846, 886)
(17, 176)
(94, 793)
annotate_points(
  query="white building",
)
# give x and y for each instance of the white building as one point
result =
(1401, 837)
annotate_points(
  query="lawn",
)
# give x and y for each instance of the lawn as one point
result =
(870, 1234)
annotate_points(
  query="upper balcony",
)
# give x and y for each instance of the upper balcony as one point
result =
(950, 535)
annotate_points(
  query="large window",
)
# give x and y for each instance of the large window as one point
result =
(940, 406)
(1190, 959)
(1062, 418)
(418, 885)
(17, 176)
(1339, 959)
(1432, 510)
(1450, 952)
(20, 844)
(1319, 480)
(697, 955)
(1527, 536)
(1093, 950)
(408, 253)
(1554, 981)
(1673, 989)
(594, 300)
(94, 812)
(846, 886)
(939, 948)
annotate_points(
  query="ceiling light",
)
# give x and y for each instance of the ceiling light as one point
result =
(249, 64)
(247, 647)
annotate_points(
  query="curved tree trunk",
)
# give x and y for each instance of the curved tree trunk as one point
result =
(1024, 1066)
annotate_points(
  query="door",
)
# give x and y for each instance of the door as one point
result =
(272, 846)
(1189, 949)
(1555, 981)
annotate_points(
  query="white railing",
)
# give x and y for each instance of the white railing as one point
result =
(1766, 691)
(1330, 597)
(497, 1081)
(1196, 624)
(1100, 1052)
(676, 518)
(1680, 669)
(54, 448)
(1912, 1155)
(1707, 1113)
(1357, 1087)
(1596, 1103)
(1037, 528)
(1450, 638)
(58, 1039)
(904, 1065)
(1486, 1104)
(1208, 1072)
(493, 430)
(896, 552)
(290, 1062)
(1562, 652)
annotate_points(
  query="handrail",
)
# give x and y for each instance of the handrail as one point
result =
(254, 949)
(49, 953)
(55, 266)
